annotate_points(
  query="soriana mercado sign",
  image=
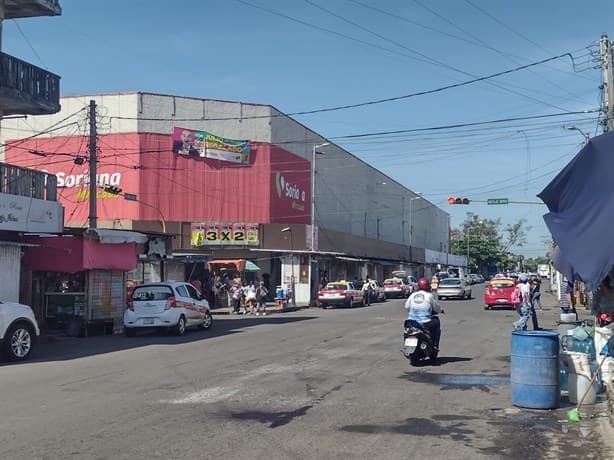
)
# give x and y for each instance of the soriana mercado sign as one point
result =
(204, 144)
(219, 233)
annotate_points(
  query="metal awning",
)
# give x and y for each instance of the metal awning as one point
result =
(110, 236)
(351, 259)
(384, 262)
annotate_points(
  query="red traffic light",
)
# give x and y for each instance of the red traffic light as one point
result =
(458, 200)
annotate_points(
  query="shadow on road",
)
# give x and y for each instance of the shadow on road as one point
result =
(449, 359)
(67, 348)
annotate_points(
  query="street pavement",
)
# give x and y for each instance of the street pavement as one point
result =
(311, 384)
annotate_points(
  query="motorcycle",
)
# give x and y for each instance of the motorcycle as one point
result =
(418, 343)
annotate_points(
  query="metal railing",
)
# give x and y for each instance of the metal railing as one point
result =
(15, 180)
(33, 83)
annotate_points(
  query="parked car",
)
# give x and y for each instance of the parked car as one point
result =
(343, 293)
(379, 294)
(18, 330)
(453, 287)
(499, 292)
(168, 305)
(396, 287)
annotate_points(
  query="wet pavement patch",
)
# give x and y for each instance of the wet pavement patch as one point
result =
(459, 381)
(415, 427)
(281, 418)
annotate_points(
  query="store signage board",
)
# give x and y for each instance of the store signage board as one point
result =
(25, 214)
(497, 201)
(224, 234)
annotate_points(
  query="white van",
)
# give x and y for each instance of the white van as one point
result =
(457, 272)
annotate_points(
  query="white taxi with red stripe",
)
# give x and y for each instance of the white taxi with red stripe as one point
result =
(170, 305)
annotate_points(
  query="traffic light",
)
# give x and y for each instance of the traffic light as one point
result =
(458, 200)
(112, 189)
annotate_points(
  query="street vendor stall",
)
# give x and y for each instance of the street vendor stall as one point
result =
(78, 280)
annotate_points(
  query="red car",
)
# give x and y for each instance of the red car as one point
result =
(499, 292)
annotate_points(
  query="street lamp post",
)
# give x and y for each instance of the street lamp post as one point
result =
(314, 152)
(575, 128)
(293, 297)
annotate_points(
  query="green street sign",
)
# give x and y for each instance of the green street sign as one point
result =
(497, 201)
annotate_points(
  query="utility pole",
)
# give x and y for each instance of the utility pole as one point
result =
(92, 146)
(605, 51)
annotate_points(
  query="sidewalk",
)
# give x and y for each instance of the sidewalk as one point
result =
(601, 414)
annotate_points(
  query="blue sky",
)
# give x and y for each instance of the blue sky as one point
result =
(311, 54)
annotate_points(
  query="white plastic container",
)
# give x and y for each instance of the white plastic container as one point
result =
(578, 370)
(568, 318)
(602, 335)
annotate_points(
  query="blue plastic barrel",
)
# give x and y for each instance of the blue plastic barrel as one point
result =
(535, 369)
(279, 293)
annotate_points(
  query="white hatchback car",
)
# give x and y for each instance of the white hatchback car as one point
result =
(170, 305)
(18, 330)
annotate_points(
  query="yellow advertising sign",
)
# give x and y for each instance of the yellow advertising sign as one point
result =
(219, 233)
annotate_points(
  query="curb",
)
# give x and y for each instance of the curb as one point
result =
(271, 310)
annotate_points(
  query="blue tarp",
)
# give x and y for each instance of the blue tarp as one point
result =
(581, 203)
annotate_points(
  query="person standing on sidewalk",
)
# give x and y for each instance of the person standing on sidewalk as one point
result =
(566, 292)
(235, 294)
(261, 295)
(366, 292)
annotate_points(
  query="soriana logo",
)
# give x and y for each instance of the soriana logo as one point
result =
(289, 191)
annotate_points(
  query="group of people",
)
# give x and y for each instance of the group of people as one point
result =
(526, 297)
(247, 298)
(243, 297)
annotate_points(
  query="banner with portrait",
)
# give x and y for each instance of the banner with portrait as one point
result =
(204, 144)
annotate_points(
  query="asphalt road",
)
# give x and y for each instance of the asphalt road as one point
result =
(312, 384)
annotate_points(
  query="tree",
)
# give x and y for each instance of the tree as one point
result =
(485, 244)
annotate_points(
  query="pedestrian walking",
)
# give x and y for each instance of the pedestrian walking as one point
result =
(262, 294)
(526, 309)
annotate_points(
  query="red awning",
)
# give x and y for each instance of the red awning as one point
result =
(73, 254)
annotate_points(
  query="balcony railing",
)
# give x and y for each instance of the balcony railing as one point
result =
(15, 180)
(31, 8)
(27, 89)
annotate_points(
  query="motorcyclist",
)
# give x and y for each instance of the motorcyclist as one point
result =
(423, 308)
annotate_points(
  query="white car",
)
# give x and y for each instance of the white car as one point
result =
(18, 330)
(168, 305)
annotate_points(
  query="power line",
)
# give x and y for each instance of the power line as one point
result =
(29, 44)
(366, 103)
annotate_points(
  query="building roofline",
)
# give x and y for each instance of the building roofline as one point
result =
(150, 93)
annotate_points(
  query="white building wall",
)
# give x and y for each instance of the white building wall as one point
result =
(73, 118)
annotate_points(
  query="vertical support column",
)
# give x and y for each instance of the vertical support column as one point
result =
(605, 49)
